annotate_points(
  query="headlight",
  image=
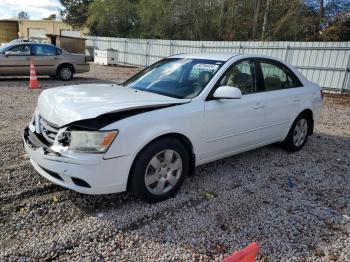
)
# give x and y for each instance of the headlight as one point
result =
(84, 141)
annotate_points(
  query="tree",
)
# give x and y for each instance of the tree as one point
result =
(283, 21)
(256, 18)
(321, 8)
(326, 20)
(154, 19)
(75, 12)
(234, 20)
(339, 30)
(111, 17)
(263, 34)
(51, 17)
(23, 15)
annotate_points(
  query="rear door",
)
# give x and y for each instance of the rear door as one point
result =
(234, 124)
(45, 58)
(16, 61)
(281, 93)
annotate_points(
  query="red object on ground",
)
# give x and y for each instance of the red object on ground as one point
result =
(33, 81)
(247, 254)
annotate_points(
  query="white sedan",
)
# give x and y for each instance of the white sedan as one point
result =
(148, 134)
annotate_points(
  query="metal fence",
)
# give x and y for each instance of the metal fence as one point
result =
(327, 63)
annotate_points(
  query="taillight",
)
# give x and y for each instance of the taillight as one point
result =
(321, 93)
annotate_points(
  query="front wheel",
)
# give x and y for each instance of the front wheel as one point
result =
(298, 134)
(159, 170)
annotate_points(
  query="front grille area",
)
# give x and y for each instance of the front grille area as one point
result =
(32, 140)
(48, 130)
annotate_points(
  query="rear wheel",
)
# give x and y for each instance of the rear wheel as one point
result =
(159, 170)
(298, 134)
(65, 72)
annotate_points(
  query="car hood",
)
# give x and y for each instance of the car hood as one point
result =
(64, 105)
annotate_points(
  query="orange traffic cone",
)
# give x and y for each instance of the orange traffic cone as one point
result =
(33, 81)
(247, 254)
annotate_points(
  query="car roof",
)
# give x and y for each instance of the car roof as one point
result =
(31, 43)
(227, 56)
(209, 56)
(28, 43)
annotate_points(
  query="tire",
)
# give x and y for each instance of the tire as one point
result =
(159, 170)
(65, 72)
(298, 134)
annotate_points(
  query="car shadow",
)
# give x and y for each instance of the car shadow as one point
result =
(265, 156)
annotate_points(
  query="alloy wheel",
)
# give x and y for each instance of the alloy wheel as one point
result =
(66, 73)
(300, 132)
(163, 172)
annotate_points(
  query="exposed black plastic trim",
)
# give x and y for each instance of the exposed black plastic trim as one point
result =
(193, 165)
(51, 173)
(35, 141)
(109, 118)
(80, 182)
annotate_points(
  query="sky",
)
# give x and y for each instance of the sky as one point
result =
(37, 9)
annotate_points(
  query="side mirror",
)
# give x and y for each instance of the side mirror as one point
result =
(7, 53)
(227, 92)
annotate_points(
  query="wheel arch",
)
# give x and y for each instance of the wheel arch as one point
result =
(65, 64)
(308, 112)
(310, 115)
(180, 137)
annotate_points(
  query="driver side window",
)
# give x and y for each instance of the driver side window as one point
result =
(241, 76)
(20, 50)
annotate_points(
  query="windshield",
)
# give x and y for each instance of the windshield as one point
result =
(176, 77)
(4, 47)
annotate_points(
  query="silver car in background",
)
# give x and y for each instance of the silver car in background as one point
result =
(15, 59)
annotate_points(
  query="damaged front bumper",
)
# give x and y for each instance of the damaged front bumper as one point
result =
(84, 173)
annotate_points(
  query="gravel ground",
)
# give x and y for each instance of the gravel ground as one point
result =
(296, 206)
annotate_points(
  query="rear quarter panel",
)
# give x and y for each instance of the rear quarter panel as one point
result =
(310, 98)
(317, 101)
(77, 60)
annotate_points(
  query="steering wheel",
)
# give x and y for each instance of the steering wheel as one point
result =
(285, 84)
(196, 87)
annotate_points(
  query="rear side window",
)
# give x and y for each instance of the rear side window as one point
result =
(277, 77)
(44, 50)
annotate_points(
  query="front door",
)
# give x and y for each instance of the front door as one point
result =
(16, 60)
(233, 125)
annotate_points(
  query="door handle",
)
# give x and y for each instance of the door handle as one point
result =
(296, 99)
(56, 58)
(27, 58)
(258, 106)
